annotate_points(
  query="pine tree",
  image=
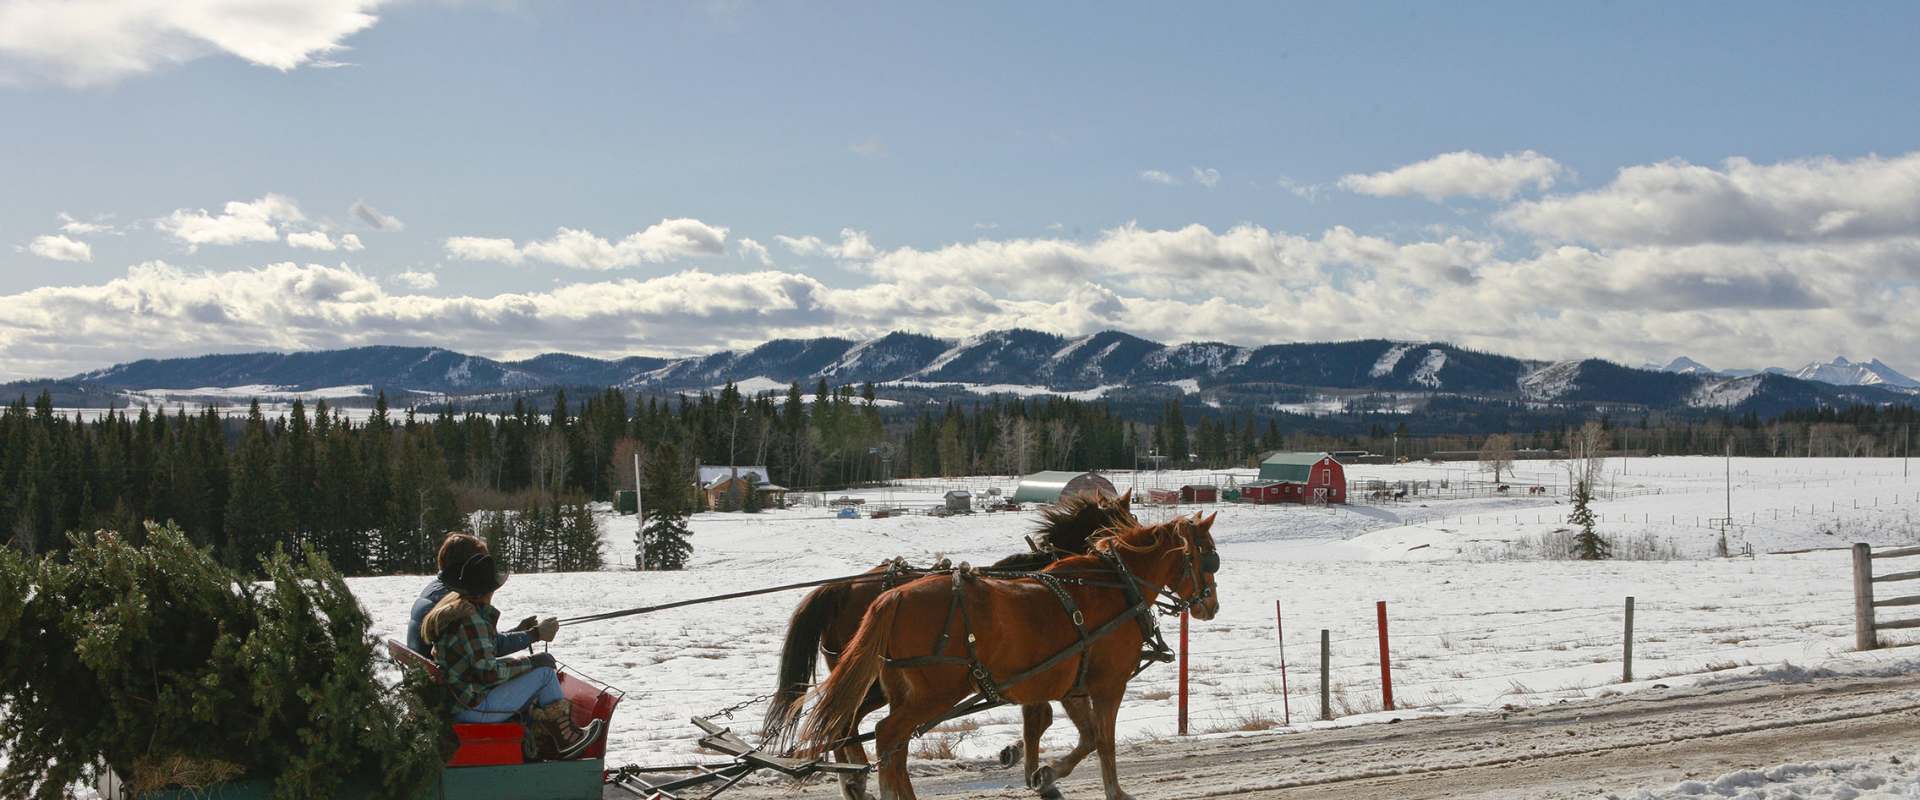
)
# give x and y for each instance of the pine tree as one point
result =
(1587, 544)
(255, 514)
(751, 503)
(580, 538)
(668, 505)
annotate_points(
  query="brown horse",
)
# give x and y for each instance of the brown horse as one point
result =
(926, 657)
(828, 617)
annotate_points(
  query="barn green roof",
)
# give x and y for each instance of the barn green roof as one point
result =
(1295, 467)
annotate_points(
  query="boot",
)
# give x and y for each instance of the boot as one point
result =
(557, 738)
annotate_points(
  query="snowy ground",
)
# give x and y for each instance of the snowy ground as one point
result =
(1472, 627)
(1896, 776)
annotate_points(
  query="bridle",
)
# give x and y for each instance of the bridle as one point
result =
(1197, 564)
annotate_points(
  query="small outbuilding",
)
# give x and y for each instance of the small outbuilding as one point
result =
(1304, 477)
(1199, 493)
(959, 501)
(1052, 485)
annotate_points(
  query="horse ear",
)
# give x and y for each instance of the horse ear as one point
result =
(1125, 500)
(1207, 524)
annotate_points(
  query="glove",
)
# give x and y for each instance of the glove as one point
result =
(547, 629)
(543, 660)
(524, 625)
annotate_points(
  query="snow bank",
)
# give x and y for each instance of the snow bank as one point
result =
(1893, 776)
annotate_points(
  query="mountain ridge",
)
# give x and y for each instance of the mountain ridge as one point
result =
(1025, 361)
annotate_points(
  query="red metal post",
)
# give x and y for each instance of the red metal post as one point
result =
(1183, 673)
(1280, 629)
(1386, 664)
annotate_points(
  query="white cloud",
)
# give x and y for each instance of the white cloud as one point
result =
(1309, 192)
(1461, 174)
(668, 240)
(413, 279)
(871, 148)
(313, 240)
(1674, 202)
(68, 224)
(479, 248)
(375, 218)
(240, 221)
(854, 245)
(1158, 176)
(92, 43)
(1208, 177)
(319, 240)
(60, 248)
(752, 249)
(1752, 293)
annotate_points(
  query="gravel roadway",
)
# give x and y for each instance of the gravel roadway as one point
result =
(1581, 749)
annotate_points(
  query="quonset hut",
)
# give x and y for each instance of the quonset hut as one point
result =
(1052, 485)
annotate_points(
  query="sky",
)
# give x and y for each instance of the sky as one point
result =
(1635, 181)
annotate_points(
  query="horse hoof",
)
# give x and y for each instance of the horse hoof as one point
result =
(1042, 779)
(853, 788)
(1050, 792)
(1010, 755)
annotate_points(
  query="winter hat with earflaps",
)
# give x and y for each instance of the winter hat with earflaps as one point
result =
(476, 577)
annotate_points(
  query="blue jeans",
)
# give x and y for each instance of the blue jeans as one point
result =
(542, 686)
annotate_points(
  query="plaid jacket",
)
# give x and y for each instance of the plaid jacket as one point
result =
(468, 660)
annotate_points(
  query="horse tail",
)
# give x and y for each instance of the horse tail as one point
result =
(799, 657)
(838, 699)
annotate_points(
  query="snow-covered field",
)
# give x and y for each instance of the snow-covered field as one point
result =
(1472, 626)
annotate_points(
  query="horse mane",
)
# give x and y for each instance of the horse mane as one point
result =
(1140, 538)
(1068, 529)
(1070, 526)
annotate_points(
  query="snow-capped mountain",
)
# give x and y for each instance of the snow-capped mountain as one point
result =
(1841, 372)
(1684, 366)
(1838, 372)
(1110, 365)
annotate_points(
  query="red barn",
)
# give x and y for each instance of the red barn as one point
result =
(1298, 478)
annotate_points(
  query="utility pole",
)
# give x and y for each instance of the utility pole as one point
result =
(1906, 444)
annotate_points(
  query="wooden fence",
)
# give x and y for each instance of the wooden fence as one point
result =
(1866, 625)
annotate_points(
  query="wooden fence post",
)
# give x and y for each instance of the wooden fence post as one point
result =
(1326, 653)
(1864, 636)
(1183, 673)
(1626, 668)
(1386, 664)
(1280, 631)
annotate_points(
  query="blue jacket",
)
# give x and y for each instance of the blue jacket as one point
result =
(503, 644)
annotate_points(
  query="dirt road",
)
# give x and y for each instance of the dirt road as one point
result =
(1584, 749)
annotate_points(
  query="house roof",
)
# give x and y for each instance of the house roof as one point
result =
(709, 476)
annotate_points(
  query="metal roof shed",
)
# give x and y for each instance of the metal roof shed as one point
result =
(1050, 486)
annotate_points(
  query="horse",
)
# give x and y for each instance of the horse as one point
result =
(827, 618)
(1029, 664)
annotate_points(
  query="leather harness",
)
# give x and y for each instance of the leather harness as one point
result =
(1139, 609)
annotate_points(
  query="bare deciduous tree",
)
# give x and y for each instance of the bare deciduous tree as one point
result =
(1496, 455)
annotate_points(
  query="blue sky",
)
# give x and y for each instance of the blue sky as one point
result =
(1183, 173)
